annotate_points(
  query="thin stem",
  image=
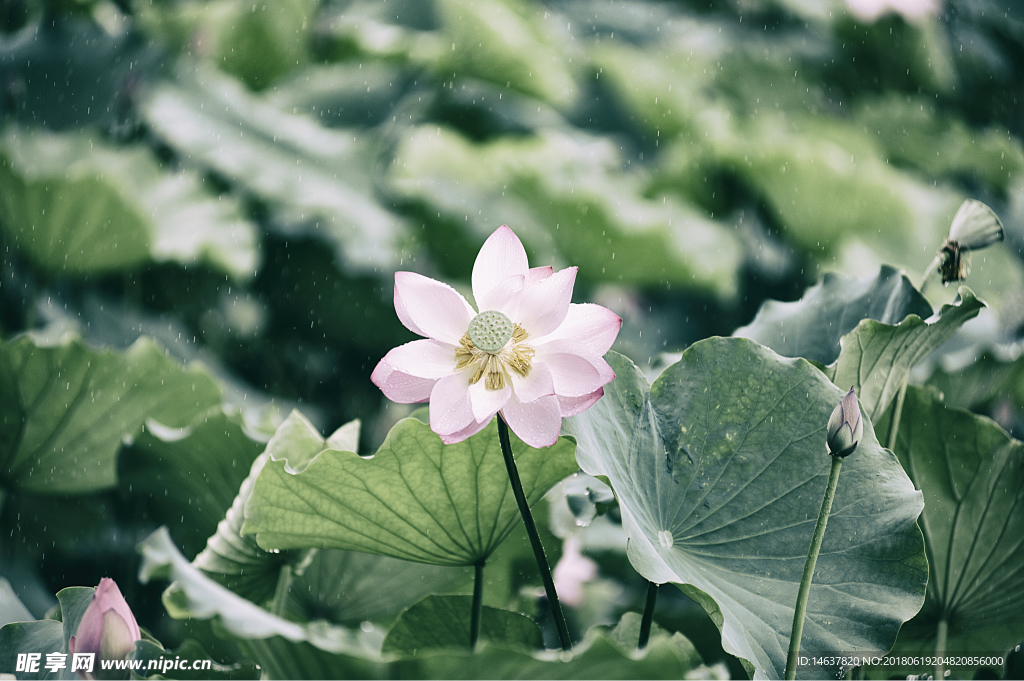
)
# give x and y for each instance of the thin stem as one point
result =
(478, 605)
(812, 559)
(940, 649)
(284, 585)
(531, 530)
(897, 413)
(648, 620)
(932, 269)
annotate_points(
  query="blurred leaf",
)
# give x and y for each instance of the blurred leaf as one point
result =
(78, 405)
(812, 326)
(342, 94)
(76, 205)
(441, 622)
(719, 470)
(972, 476)
(314, 179)
(11, 608)
(571, 182)
(453, 506)
(876, 358)
(43, 636)
(914, 134)
(509, 43)
(188, 477)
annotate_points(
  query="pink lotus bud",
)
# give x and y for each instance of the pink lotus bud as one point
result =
(845, 427)
(108, 627)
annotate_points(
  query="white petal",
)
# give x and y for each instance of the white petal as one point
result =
(400, 387)
(574, 405)
(501, 294)
(424, 358)
(450, 409)
(575, 376)
(486, 403)
(501, 256)
(592, 328)
(431, 308)
(541, 308)
(537, 384)
(471, 429)
(539, 274)
(537, 423)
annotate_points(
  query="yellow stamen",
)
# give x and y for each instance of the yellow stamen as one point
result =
(493, 367)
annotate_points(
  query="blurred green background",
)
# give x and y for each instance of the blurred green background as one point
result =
(240, 180)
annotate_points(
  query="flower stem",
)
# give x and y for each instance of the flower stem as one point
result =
(478, 605)
(897, 414)
(648, 619)
(932, 269)
(812, 559)
(284, 585)
(940, 648)
(531, 530)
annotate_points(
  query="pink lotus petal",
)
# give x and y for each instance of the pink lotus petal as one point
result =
(431, 308)
(401, 387)
(573, 571)
(486, 403)
(471, 429)
(537, 384)
(450, 408)
(423, 358)
(536, 423)
(108, 626)
(499, 296)
(592, 328)
(501, 256)
(537, 274)
(541, 308)
(571, 406)
(575, 376)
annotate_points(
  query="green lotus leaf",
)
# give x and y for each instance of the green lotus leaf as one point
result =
(11, 607)
(440, 622)
(971, 473)
(720, 469)
(876, 358)
(73, 406)
(813, 326)
(416, 499)
(74, 204)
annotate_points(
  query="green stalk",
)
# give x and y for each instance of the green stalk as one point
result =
(940, 648)
(478, 605)
(531, 530)
(648, 619)
(812, 559)
(932, 269)
(897, 413)
(284, 585)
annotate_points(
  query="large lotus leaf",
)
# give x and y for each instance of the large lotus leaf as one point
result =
(980, 383)
(720, 468)
(77, 405)
(877, 358)
(972, 476)
(416, 499)
(573, 183)
(314, 178)
(443, 622)
(188, 477)
(74, 204)
(812, 326)
(237, 561)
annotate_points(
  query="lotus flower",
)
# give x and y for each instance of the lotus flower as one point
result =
(108, 628)
(526, 352)
(845, 427)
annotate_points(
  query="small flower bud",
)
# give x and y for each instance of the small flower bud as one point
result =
(108, 628)
(845, 427)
